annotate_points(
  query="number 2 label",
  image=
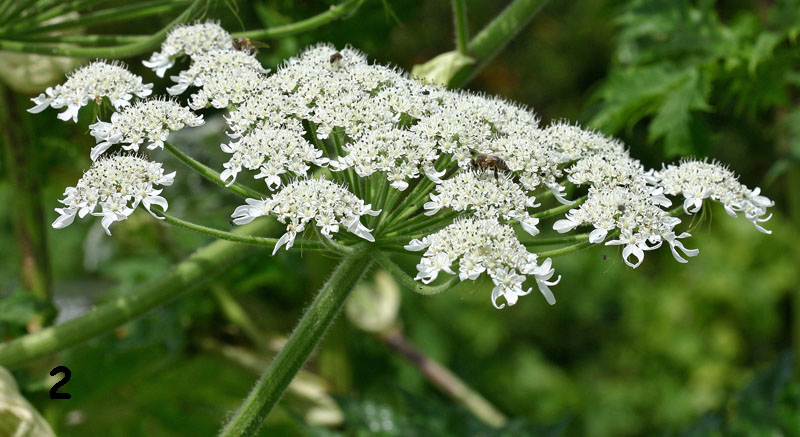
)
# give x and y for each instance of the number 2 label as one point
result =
(54, 394)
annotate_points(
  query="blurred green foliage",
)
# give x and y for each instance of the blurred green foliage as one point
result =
(668, 349)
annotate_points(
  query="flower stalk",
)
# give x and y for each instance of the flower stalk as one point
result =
(309, 331)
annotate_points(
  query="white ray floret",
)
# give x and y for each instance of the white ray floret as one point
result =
(112, 188)
(146, 122)
(92, 82)
(328, 204)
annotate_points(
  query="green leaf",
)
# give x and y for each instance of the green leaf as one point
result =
(673, 119)
(762, 49)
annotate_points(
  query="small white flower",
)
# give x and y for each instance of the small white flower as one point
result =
(117, 185)
(274, 152)
(302, 201)
(478, 246)
(94, 81)
(189, 40)
(146, 122)
(699, 180)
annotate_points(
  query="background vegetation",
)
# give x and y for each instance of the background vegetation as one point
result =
(668, 349)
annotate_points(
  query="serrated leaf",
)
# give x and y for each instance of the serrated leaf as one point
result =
(762, 49)
(673, 119)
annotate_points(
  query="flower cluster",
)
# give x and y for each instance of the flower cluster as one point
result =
(411, 149)
(301, 201)
(699, 180)
(273, 151)
(149, 121)
(92, 82)
(486, 196)
(480, 246)
(117, 185)
(188, 40)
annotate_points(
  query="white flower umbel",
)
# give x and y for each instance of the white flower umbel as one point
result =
(145, 122)
(409, 148)
(635, 212)
(486, 196)
(112, 188)
(301, 201)
(92, 82)
(273, 151)
(188, 40)
(484, 246)
(699, 180)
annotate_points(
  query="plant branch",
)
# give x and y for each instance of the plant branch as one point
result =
(400, 275)
(492, 38)
(460, 24)
(121, 51)
(212, 175)
(326, 306)
(206, 263)
(335, 12)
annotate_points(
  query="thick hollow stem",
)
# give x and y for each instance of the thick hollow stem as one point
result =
(319, 316)
(204, 264)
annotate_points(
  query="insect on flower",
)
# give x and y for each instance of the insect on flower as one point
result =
(485, 162)
(248, 45)
(335, 58)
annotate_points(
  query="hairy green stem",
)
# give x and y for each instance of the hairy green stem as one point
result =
(204, 264)
(492, 38)
(212, 175)
(319, 316)
(460, 24)
(335, 12)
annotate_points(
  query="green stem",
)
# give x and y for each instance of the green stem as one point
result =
(212, 175)
(236, 237)
(127, 12)
(82, 39)
(559, 209)
(407, 281)
(23, 173)
(204, 264)
(326, 17)
(43, 13)
(319, 316)
(492, 38)
(460, 24)
(122, 51)
(556, 240)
